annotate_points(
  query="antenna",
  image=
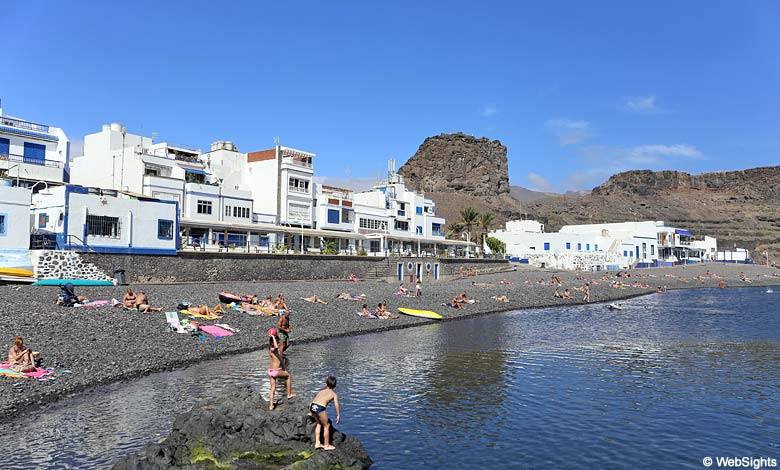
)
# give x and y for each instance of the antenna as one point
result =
(276, 140)
(390, 167)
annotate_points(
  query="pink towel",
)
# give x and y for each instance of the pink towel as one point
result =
(39, 372)
(216, 331)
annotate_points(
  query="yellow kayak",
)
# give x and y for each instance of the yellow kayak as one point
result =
(18, 272)
(420, 313)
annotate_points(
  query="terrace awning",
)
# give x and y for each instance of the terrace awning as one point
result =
(196, 172)
(683, 232)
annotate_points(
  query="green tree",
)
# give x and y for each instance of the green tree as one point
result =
(455, 229)
(469, 218)
(496, 245)
(485, 221)
(329, 248)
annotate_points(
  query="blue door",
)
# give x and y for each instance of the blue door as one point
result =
(400, 271)
(637, 252)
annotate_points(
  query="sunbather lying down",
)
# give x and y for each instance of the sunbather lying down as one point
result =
(314, 299)
(142, 304)
(255, 309)
(353, 297)
(204, 310)
(501, 298)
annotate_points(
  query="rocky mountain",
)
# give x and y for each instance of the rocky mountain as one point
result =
(737, 207)
(523, 194)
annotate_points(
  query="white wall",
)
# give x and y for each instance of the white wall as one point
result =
(15, 209)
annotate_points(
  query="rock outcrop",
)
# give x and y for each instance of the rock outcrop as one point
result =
(237, 431)
(460, 163)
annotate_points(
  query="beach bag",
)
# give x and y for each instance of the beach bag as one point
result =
(183, 306)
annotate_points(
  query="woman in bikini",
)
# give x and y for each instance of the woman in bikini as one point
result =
(21, 357)
(276, 368)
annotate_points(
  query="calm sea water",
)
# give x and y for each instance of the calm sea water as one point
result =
(663, 383)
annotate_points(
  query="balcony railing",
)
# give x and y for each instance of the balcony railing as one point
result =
(30, 126)
(297, 162)
(30, 160)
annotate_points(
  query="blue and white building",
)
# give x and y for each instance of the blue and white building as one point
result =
(106, 220)
(14, 226)
(32, 152)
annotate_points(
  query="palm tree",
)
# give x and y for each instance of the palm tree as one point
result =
(485, 221)
(455, 229)
(469, 218)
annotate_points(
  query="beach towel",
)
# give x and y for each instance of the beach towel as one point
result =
(94, 304)
(216, 331)
(5, 370)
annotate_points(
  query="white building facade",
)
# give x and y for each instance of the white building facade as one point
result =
(14, 226)
(31, 152)
(107, 221)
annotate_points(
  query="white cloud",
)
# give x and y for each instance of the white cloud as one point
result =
(569, 132)
(489, 110)
(650, 154)
(643, 105)
(539, 183)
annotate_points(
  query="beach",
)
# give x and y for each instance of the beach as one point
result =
(105, 345)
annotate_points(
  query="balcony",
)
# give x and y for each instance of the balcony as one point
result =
(19, 124)
(26, 168)
(31, 160)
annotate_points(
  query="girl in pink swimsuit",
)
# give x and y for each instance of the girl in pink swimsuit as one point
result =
(276, 368)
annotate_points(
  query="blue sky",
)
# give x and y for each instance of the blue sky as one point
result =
(576, 90)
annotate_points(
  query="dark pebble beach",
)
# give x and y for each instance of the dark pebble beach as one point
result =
(88, 347)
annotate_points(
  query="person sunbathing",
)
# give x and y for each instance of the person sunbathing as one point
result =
(566, 294)
(279, 303)
(454, 303)
(68, 297)
(557, 294)
(352, 277)
(402, 290)
(314, 299)
(142, 304)
(463, 299)
(501, 298)
(204, 310)
(505, 282)
(20, 357)
(352, 297)
(481, 284)
(130, 300)
(382, 312)
(365, 312)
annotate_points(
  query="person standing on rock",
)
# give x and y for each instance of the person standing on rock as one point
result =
(276, 368)
(586, 290)
(317, 410)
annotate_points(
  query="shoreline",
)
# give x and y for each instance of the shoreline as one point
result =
(106, 345)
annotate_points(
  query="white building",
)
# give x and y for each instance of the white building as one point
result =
(14, 226)
(397, 219)
(605, 246)
(335, 211)
(31, 152)
(107, 221)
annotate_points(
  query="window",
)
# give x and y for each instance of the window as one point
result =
(43, 219)
(401, 225)
(373, 224)
(5, 147)
(419, 210)
(419, 230)
(652, 250)
(587, 247)
(436, 229)
(102, 226)
(34, 153)
(150, 171)
(3, 225)
(625, 253)
(644, 250)
(237, 212)
(165, 229)
(246, 213)
(333, 216)
(568, 245)
(204, 207)
(579, 246)
(595, 248)
(227, 211)
(546, 246)
(298, 212)
(298, 185)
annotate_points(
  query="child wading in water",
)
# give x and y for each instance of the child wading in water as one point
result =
(317, 410)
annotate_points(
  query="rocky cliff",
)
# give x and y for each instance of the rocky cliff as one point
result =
(238, 431)
(460, 163)
(737, 207)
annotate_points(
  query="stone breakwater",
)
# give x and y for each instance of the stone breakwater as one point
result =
(237, 430)
(109, 345)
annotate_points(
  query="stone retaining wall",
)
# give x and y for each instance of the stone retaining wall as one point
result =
(210, 267)
(56, 264)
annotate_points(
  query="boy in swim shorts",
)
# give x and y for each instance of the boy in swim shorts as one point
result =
(317, 410)
(276, 368)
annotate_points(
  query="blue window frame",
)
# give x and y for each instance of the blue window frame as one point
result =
(164, 229)
(546, 246)
(587, 247)
(34, 153)
(3, 224)
(579, 246)
(637, 252)
(419, 230)
(595, 248)
(5, 146)
(568, 245)
(625, 253)
(419, 210)
(333, 216)
(436, 229)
